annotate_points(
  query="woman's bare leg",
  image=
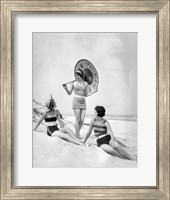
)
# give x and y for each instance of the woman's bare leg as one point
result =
(123, 152)
(82, 116)
(70, 133)
(108, 149)
(77, 113)
(66, 137)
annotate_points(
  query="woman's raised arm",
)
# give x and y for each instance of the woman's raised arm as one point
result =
(69, 90)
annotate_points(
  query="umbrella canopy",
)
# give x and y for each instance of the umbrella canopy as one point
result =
(89, 72)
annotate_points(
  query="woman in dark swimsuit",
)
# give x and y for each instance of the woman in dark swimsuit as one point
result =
(105, 137)
(51, 115)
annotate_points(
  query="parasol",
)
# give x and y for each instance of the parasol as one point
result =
(90, 73)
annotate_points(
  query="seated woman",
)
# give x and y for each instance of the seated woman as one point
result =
(105, 137)
(51, 115)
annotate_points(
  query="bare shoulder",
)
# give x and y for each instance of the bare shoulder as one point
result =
(57, 111)
(107, 123)
(74, 83)
(105, 120)
(45, 112)
(93, 119)
(86, 84)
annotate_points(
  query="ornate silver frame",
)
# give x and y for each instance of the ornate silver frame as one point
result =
(162, 189)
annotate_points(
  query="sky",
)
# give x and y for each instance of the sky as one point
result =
(114, 56)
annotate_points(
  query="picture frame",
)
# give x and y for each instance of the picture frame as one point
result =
(161, 190)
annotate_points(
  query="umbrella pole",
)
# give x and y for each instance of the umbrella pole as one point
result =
(69, 82)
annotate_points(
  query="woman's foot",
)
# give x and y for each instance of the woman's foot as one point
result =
(79, 137)
(86, 144)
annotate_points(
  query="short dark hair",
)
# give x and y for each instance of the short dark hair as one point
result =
(100, 111)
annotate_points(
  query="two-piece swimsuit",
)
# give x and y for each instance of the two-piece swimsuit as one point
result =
(100, 128)
(79, 101)
(51, 125)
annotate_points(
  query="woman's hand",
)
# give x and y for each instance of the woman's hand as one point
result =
(112, 143)
(96, 90)
(82, 140)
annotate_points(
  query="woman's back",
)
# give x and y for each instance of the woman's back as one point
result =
(99, 126)
(51, 117)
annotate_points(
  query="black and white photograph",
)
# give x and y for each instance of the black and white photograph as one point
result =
(84, 100)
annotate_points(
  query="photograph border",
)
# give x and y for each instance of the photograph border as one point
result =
(162, 188)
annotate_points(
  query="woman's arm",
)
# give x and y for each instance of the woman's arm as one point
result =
(109, 130)
(40, 120)
(69, 90)
(59, 119)
(89, 131)
(89, 91)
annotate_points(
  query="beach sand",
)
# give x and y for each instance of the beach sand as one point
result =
(53, 152)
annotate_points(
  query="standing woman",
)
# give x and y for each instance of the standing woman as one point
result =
(51, 115)
(81, 90)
